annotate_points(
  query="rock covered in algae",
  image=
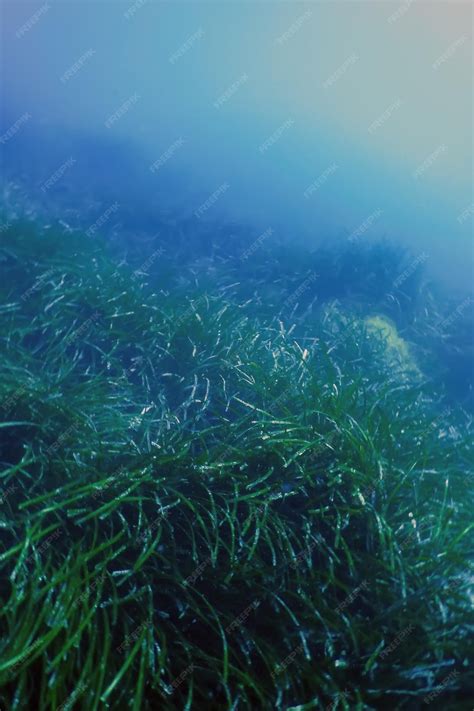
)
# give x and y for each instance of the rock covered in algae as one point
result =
(397, 351)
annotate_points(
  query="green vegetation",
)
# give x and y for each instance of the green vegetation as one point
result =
(210, 505)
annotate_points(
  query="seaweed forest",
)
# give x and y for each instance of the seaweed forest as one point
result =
(225, 482)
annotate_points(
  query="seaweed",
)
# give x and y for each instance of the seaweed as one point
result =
(208, 502)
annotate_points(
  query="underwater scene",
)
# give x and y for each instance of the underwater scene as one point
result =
(236, 355)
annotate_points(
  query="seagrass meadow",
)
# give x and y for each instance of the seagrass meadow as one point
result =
(220, 492)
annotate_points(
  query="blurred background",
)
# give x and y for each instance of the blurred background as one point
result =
(325, 121)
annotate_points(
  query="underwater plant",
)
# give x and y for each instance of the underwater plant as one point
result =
(207, 506)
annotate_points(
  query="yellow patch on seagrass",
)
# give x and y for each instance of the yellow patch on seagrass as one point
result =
(397, 349)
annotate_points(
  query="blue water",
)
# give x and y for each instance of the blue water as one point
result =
(319, 124)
